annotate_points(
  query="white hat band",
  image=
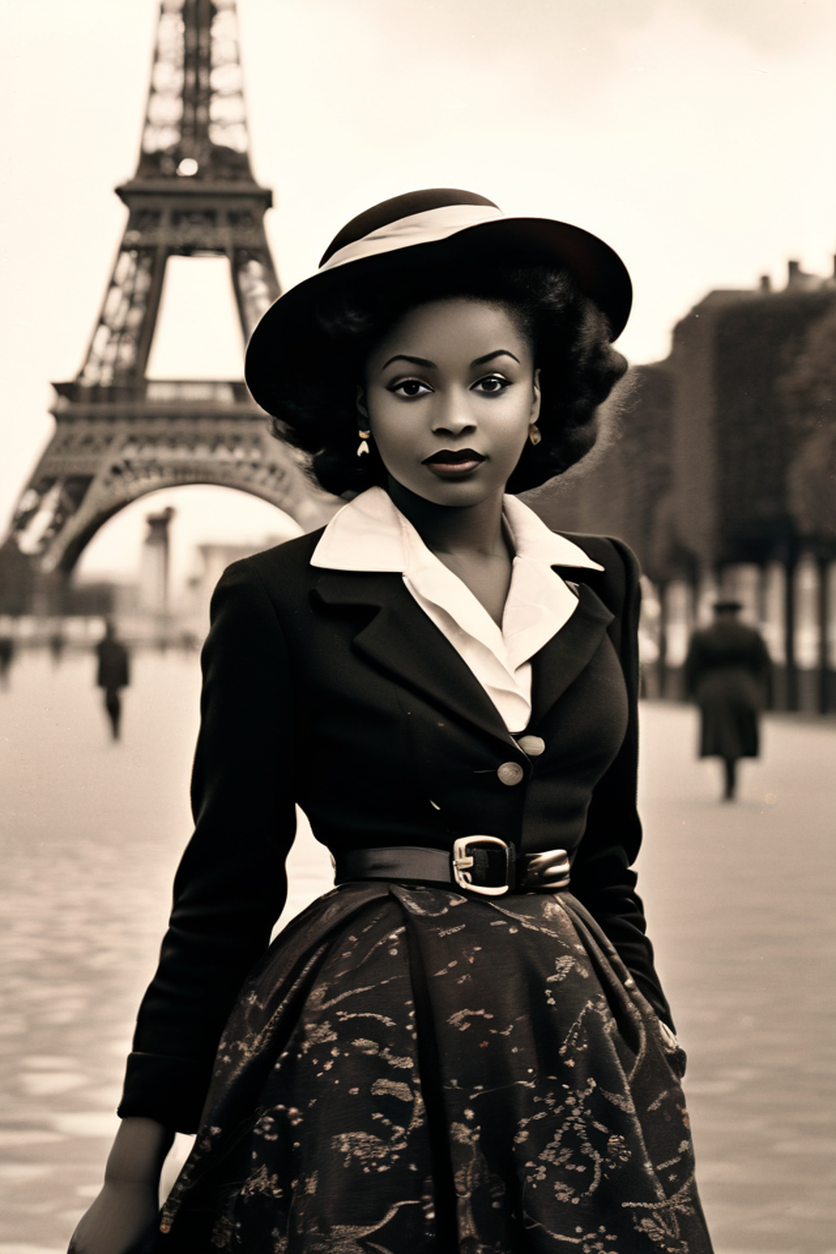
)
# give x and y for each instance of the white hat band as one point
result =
(419, 228)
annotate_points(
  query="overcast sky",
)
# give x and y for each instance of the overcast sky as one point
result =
(698, 137)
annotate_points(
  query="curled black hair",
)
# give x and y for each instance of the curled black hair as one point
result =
(568, 334)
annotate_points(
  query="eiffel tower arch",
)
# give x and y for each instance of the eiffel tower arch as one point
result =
(120, 435)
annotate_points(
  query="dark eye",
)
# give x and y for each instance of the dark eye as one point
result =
(491, 385)
(409, 388)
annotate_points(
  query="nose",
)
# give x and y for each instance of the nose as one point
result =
(451, 414)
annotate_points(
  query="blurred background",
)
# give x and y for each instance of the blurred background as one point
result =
(695, 136)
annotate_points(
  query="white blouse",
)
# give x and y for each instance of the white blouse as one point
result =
(371, 534)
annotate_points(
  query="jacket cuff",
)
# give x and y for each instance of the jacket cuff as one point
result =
(653, 993)
(168, 1089)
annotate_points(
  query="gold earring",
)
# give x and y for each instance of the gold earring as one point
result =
(363, 446)
(534, 434)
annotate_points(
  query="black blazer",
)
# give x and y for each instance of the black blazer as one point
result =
(336, 691)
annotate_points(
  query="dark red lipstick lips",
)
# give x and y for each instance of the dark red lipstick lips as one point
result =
(450, 464)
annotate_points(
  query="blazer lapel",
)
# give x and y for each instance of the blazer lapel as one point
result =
(561, 660)
(401, 640)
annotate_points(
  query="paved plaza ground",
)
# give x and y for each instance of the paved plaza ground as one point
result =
(740, 901)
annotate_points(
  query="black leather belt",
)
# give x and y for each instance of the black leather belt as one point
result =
(480, 864)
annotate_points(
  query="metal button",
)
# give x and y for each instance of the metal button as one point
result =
(532, 745)
(510, 773)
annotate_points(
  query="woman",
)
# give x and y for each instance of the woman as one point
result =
(465, 1045)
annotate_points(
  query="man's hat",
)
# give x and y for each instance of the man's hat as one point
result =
(423, 226)
(727, 606)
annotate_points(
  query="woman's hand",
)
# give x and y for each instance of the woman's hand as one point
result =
(122, 1216)
(124, 1213)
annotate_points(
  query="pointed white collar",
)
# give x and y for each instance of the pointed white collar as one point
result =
(371, 534)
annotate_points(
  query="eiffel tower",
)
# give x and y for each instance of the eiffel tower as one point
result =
(119, 434)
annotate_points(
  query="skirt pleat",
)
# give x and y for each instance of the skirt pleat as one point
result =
(414, 1069)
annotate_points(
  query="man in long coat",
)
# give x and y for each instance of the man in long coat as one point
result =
(113, 674)
(728, 671)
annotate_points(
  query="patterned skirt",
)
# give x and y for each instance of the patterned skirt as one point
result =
(412, 1070)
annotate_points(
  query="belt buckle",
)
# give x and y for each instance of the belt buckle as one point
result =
(463, 861)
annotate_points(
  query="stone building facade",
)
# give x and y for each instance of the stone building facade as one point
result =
(722, 477)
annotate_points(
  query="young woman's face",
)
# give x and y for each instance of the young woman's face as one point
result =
(450, 394)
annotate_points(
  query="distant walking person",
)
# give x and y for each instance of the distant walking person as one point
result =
(113, 673)
(728, 672)
(57, 644)
(7, 652)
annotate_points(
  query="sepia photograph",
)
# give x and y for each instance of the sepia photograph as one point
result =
(418, 627)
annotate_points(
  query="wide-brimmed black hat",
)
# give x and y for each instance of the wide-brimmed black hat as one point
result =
(423, 226)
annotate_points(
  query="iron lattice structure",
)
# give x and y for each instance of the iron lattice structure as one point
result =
(120, 435)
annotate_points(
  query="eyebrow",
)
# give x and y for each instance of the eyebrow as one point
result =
(500, 352)
(423, 361)
(416, 361)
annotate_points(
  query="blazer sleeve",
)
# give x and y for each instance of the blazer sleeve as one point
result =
(230, 886)
(602, 875)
